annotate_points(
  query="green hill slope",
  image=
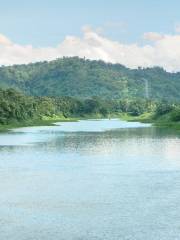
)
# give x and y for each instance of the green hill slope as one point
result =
(84, 78)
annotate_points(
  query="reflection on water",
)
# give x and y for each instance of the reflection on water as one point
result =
(90, 180)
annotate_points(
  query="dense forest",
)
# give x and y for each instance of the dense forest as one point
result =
(77, 88)
(17, 107)
(81, 78)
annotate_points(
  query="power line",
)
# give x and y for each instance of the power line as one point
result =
(146, 88)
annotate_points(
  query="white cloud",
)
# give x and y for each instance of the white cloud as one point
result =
(4, 40)
(153, 36)
(164, 52)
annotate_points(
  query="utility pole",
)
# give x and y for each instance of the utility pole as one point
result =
(146, 88)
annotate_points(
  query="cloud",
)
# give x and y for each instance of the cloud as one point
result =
(4, 40)
(153, 36)
(163, 52)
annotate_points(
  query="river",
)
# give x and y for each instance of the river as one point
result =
(90, 180)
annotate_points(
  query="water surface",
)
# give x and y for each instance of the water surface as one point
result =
(104, 180)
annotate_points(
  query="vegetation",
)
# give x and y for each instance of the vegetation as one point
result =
(163, 114)
(64, 89)
(167, 115)
(18, 109)
(82, 78)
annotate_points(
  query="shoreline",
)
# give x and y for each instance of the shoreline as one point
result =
(50, 121)
(34, 123)
(148, 118)
(46, 121)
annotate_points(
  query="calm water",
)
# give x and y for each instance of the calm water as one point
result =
(99, 180)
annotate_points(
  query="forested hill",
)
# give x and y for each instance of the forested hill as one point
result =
(84, 78)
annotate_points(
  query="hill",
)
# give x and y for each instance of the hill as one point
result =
(82, 78)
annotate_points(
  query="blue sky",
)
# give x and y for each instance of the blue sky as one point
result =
(47, 22)
(134, 33)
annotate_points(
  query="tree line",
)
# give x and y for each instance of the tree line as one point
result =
(15, 106)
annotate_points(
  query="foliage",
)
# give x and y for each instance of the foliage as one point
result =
(14, 106)
(17, 107)
(82, 78)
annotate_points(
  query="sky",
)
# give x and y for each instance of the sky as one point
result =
(131, 32)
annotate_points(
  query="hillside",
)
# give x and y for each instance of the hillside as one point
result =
(84, 78)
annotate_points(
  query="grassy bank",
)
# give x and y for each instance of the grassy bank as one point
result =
(47, 121)
(167, 121)
(144, 118)
(164, 121)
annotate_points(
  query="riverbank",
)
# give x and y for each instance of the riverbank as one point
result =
(47, 121)
(162, 121)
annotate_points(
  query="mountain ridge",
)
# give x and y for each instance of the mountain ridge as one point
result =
(83, 78)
